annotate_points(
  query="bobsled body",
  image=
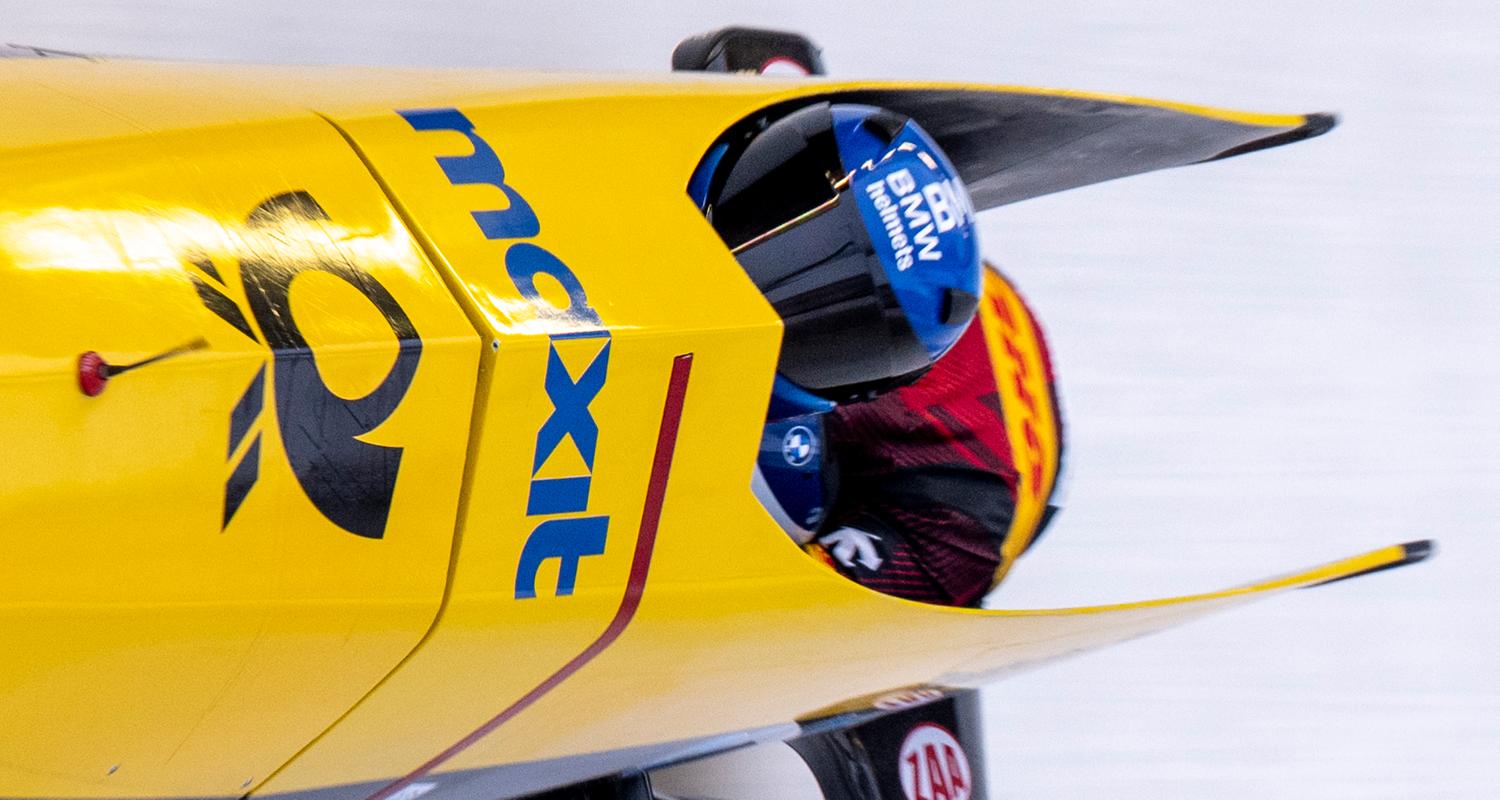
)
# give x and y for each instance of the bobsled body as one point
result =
(422, 452)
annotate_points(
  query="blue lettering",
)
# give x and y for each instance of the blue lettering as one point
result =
(558, 496)
(570, 408)
(481, 167)
(569, 539)
(525, 261)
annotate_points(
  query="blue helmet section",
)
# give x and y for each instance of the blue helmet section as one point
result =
(920, 221)
(859, 232)
(698, 184)
(791, 465)
(790, 400)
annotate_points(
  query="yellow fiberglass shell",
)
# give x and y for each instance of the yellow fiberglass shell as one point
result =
(179, 617)
(161, 645)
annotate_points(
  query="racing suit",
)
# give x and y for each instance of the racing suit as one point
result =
(942, 484)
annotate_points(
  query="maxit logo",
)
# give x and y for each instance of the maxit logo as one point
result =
(568, 539)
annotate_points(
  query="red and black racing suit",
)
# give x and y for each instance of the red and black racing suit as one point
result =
(952, 476)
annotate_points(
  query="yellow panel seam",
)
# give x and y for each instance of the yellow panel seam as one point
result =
(488, 345)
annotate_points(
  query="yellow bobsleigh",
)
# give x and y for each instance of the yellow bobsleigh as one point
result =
(375, 433)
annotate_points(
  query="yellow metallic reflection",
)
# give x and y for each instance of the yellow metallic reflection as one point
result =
(156, 239)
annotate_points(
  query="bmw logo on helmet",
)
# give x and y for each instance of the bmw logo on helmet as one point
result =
(797, 446)
(793, 477)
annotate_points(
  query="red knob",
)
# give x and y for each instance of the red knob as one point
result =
(93, 373)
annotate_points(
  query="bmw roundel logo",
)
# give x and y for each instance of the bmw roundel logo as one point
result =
(797, 446)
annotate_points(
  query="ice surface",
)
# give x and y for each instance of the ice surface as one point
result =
(1267, 362)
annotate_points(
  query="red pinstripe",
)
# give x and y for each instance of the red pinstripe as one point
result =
(640, 566)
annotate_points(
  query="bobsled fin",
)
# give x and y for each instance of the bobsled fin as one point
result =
(1411, 553)
(1317, 124)
(1020, 640)
(1396, 555)
(1014, 143)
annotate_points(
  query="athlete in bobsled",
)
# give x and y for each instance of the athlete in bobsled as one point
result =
(913, 436)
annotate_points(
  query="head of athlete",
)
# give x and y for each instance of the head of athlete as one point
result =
(856, 227)
(858, 230)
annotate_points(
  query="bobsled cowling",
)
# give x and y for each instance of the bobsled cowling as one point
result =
(455, 493)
